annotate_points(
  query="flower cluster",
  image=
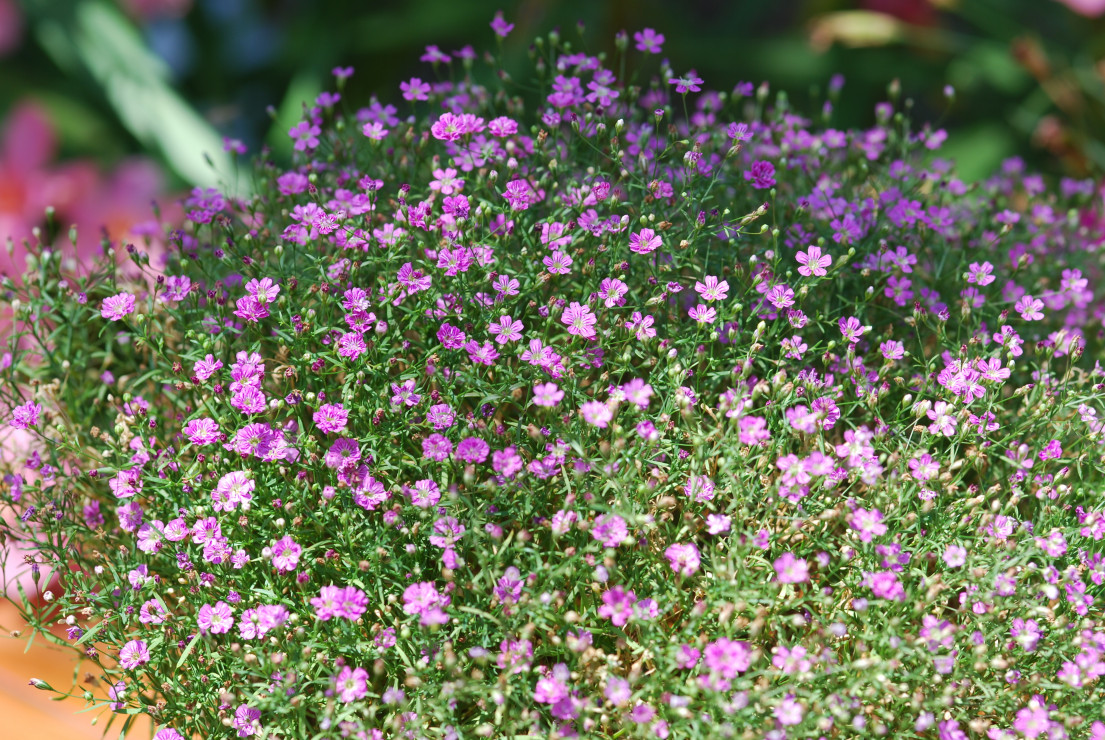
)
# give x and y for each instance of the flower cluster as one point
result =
(638, 408)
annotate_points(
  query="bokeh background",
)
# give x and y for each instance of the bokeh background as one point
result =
(109, 105)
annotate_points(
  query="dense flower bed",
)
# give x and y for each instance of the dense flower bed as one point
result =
(646, 411)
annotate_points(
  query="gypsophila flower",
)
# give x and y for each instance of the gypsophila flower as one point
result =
(117, 306)
(623, 410)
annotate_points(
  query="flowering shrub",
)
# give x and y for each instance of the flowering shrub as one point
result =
(654, 411)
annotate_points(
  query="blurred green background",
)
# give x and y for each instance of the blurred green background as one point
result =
(166, 80)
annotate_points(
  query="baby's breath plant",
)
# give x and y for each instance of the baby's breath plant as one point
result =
(595, 404)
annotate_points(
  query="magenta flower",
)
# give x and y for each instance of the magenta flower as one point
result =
(285, 554)
(506, 329)
(610, 530)
(727, 658)
(1030, 309)
(415, 89)
(25, 416)
(690, 83)
(644, 241)
(813, 262)
(448, 127)
(761, 174)
(683, 558)
(851, 329)
(500, 26)
(712, 289)
(375, 131)
(215, 619)
(579, 320)
(425, 493)
(943, 419)
(331, 418)
(649, 41)
(617, 606)
(117, 306)
(134, 654)
(306, 135)
(703, 314)
(351, 684)
(245, 720)
(789, 711)
(424, 600)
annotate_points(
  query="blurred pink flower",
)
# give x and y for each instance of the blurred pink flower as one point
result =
(1088, 8)
(118, 203)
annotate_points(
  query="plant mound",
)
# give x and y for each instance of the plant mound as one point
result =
(597, 406)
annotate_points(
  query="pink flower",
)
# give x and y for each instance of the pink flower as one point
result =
(789, 712)
(506, 329)
(374, 130)
(943, 419)
(331, 418)
(448, 127)
(712, 289)
(789, 569)
(117, 306)
(813, 262)
(684, 559)
(1030, 308)
(610, 530)
(644, 241)
(215, 619)
(285, 554)
(703, 314)
(579, 320)
(415, 89)
(727, 657)
(1088, 8)
(617, 606)
(424, 600)
(596, 413)
(547, 395)
(306, 135)
(352, 684)
(500, 26)
(648, 41)
(203, 431)
(134, 654)
(690, 83)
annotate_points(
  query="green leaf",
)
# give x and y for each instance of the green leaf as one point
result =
(188, 650)
(136, 83)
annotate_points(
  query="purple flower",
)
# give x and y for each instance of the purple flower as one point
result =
(761, 174)
(25, 416)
